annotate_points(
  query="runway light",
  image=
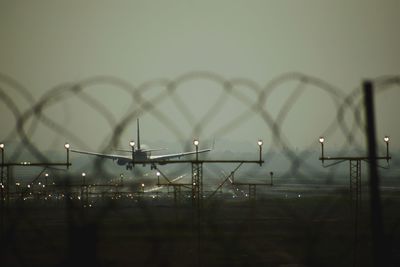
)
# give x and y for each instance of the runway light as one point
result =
(321, 141)
(260, 143)
(387, 139)
(132, 143)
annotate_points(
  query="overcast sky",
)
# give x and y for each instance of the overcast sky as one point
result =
(46, 43)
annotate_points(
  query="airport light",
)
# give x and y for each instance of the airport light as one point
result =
(2, 155)
(67, 146)
(260, 143)
(196, 144)
(83, 178)
(158, 178)
(387, 139)
(2, 166)
(46, 175)
(132, 145)
(321, 141)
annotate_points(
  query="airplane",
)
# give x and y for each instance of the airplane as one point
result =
(139, 154)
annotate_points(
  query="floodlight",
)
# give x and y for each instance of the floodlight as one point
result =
(260, 143)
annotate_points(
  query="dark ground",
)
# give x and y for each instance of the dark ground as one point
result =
(272, 231)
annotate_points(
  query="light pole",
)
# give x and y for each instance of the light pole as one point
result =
(196, 144)
(321, 141)
(2, 172)
(387, 139)
(67, 146)
(46, 176)
(83, 178)
(272, 175)
(158, 178)
(260, 143)
(132, 145)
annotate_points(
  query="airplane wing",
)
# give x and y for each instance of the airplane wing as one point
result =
(106, 156)
(143, 150)
(177, 155)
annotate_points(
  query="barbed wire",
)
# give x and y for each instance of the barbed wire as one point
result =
(145, 100)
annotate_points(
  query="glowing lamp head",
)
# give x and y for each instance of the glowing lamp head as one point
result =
(83, 174)
(321, 139)
(142, 185)
(195, 142)
(260, 142)
(132, 143)
(158, 173)
(2, 146)
(386, 139)
(46, 174)
(67, 146)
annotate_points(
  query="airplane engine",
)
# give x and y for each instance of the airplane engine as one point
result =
(122, 161)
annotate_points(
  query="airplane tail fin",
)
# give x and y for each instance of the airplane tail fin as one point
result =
(138, 134)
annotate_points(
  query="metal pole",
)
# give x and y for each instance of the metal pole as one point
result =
(272, 179)
(387, 152)
(378, 244)
(67, 158)
(133, 156)
(2, 173)
(2, 215)
(322, 152)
